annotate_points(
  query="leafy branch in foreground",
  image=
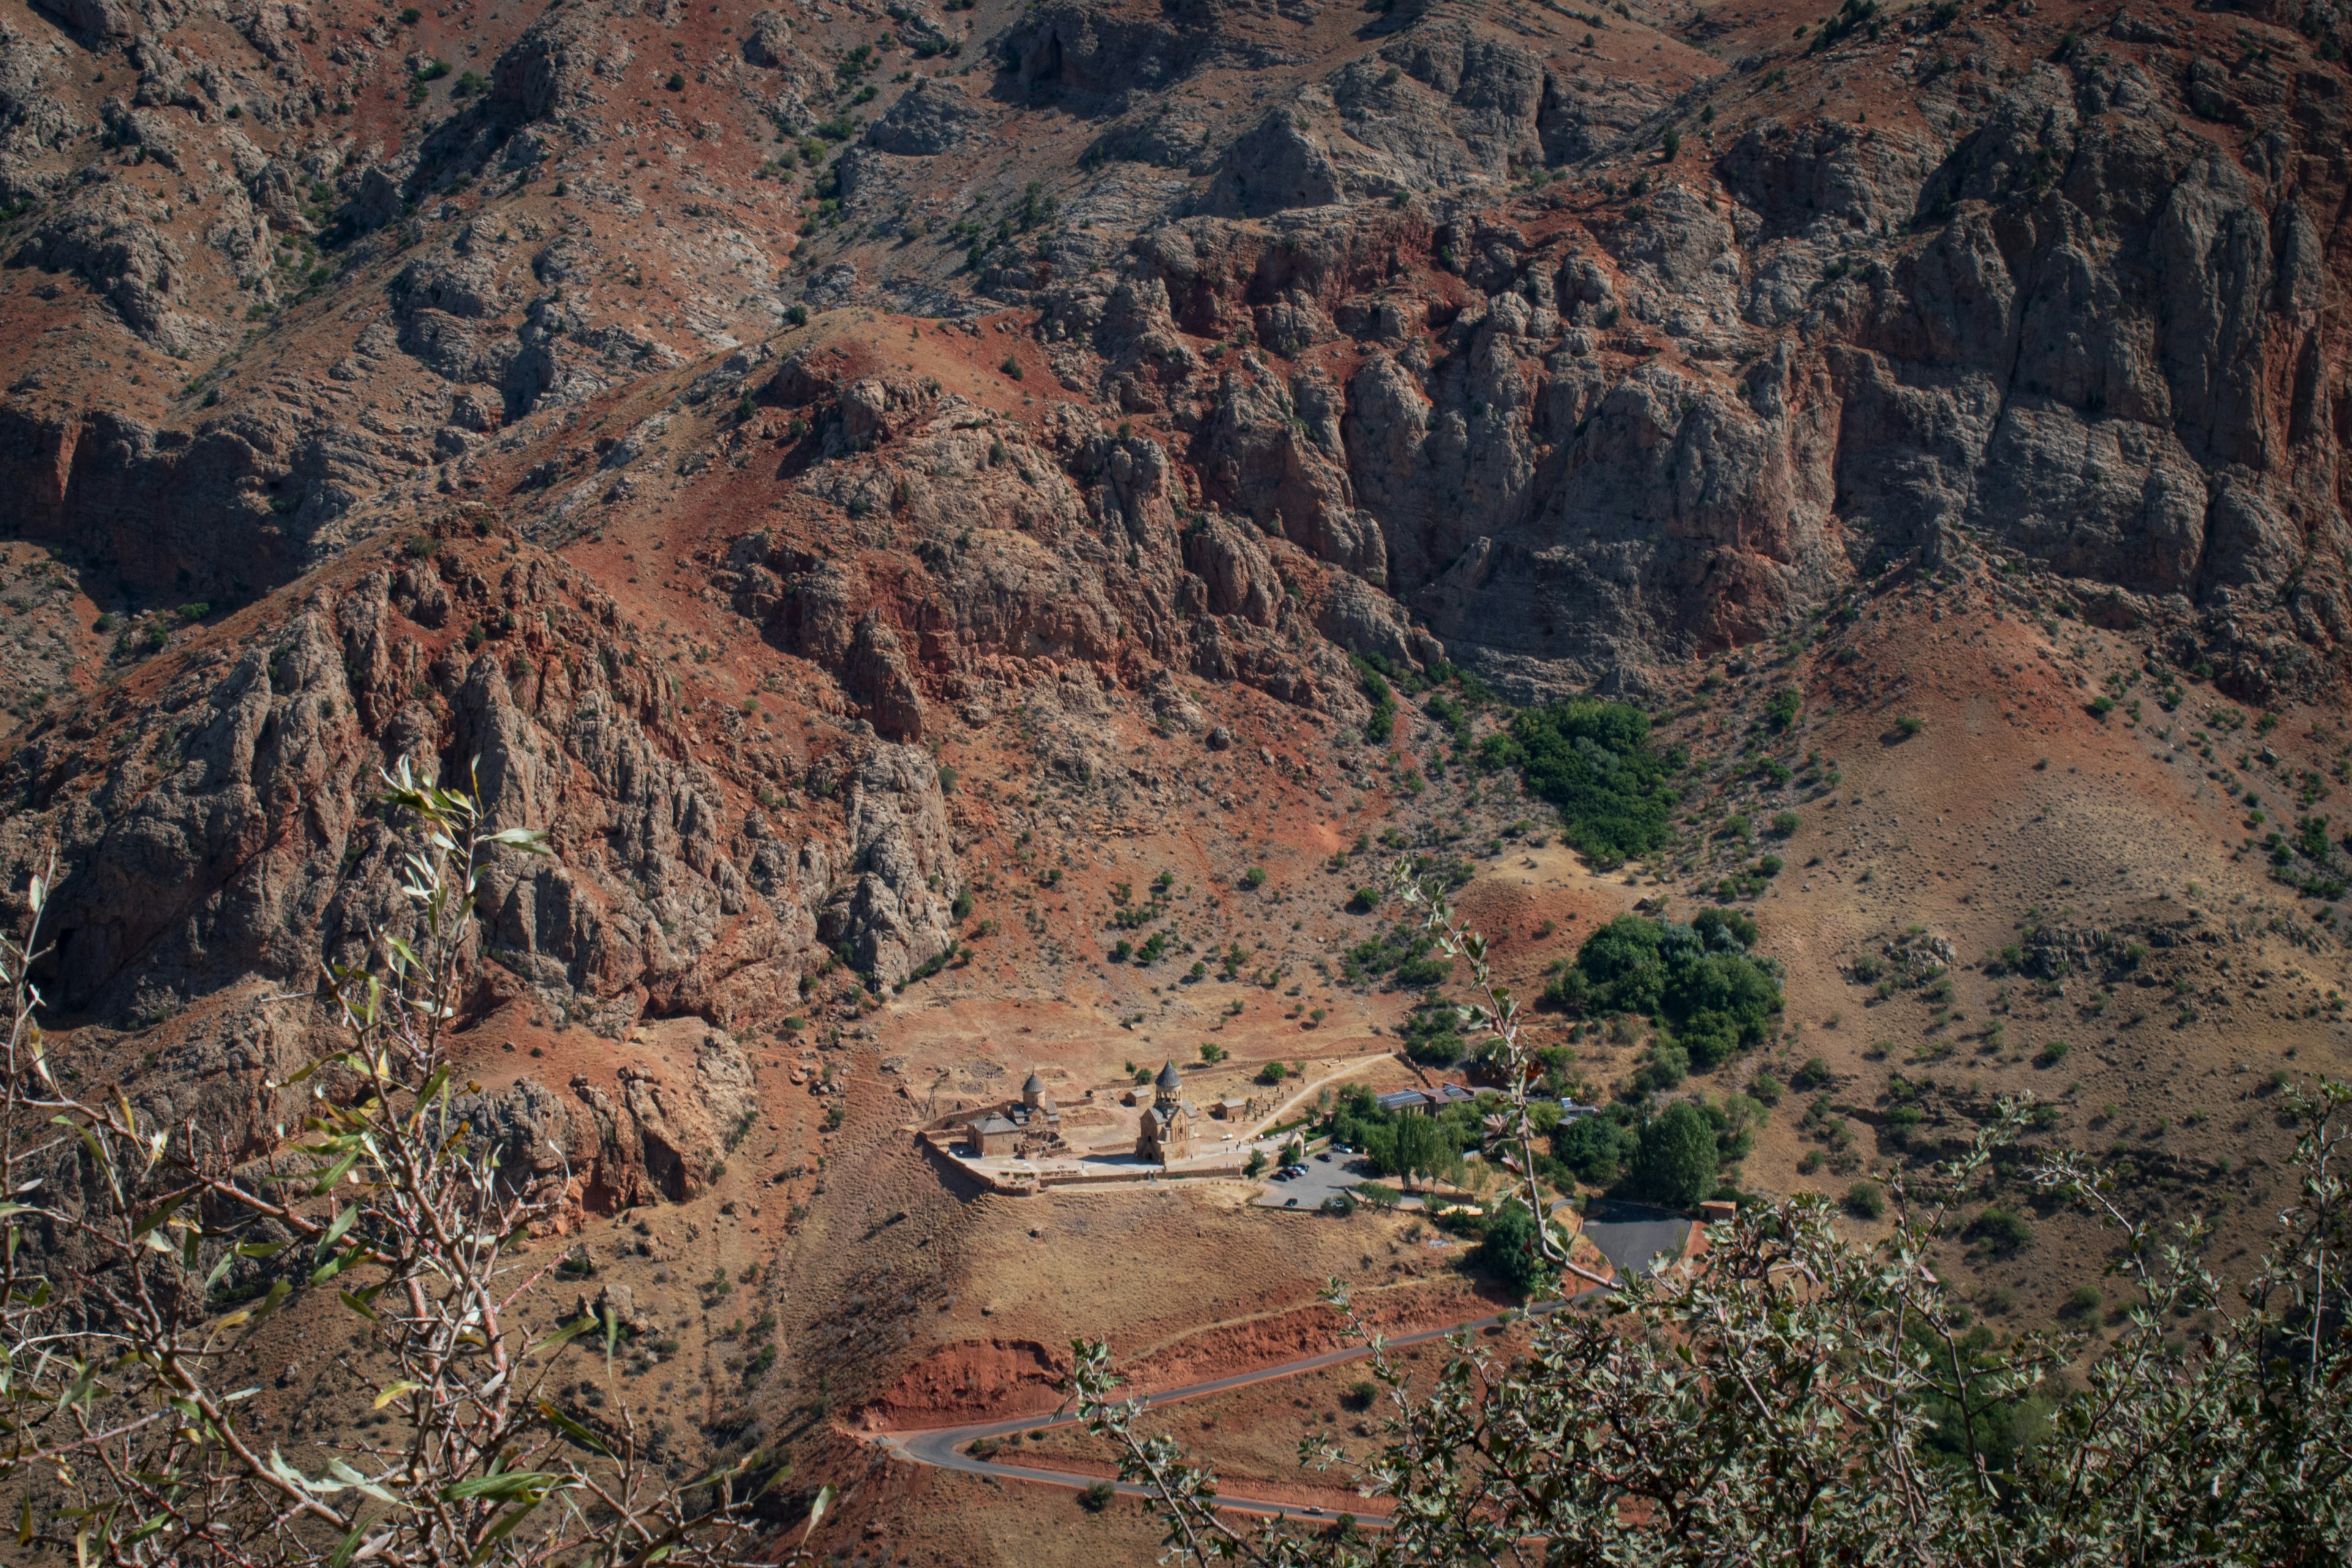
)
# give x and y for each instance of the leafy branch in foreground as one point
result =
(1800, 1397)
(122, 1442)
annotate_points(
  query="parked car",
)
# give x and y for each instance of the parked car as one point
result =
(1290, 1203)
(1325, 1157)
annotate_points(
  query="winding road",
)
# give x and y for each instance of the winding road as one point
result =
(944, 1447)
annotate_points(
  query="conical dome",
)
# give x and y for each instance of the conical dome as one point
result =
(1167, 1078)
(1035, 1086)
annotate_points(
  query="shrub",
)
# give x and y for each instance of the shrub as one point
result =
(1865, 1201)
(1361, 1395)
(1211, 1053)
(1815, 1075)
(1098, 1495)
(1786, 823)
(1382, 722)
(1433, 1032)
(1254, 1166)
(2003, 1230)
(1783, 710)
(2051, 1055)
(1909, 724)
(1254, 879)
(1668, 1064)
(1273, 1072)
(2083, 1301)
(1011, 365)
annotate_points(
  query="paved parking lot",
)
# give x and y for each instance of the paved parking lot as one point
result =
(1322, 1179)
(1632, 1236)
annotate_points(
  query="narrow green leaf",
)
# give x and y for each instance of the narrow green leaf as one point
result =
(572, 1429)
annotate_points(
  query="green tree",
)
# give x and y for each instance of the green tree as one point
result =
(1408, 1146)
(1593, 1148)
(1508, 1253)
(1593, 761)
(1675, 1163)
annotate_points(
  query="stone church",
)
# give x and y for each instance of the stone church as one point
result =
(1167, 1134)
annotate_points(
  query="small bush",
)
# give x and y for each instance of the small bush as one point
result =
(1815, 1074)
(1909, 724)
(1254, 877)
(2053, 1054)
(2003, 1230)
(1012, 367)
(1098, 1496)
(1785, 824)
(1865, 1201)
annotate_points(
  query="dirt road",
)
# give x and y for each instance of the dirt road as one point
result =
(945, 1446)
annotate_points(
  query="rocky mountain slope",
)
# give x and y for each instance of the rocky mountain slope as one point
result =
(827, 463)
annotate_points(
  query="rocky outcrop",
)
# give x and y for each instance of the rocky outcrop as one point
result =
(891, 914)
(560, 68)
(668, 1131)
(926, 122)
(103, 237)
(227, 831)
